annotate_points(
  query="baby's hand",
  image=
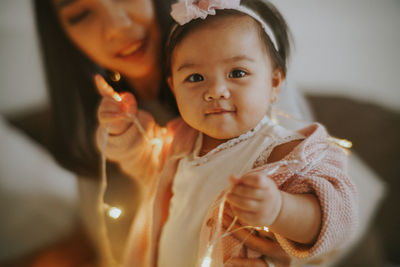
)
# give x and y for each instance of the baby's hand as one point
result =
(255, 199)
(114, 109)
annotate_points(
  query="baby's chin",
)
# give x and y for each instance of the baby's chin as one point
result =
(226, 135)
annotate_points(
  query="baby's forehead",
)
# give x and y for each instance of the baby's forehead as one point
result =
(220, 42)
(232, 29)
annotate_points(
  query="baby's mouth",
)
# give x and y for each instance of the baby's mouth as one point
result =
(218, 111)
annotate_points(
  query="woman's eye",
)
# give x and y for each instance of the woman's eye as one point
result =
(75, 19)
(195, 78)
(237, 74)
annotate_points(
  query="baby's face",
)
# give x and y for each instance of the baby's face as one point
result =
(222, 77)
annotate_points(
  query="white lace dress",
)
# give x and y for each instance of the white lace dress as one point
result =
(199, 181)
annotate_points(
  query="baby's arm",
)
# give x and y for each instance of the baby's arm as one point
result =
(257, 201)
(324, 180)
(138, 149)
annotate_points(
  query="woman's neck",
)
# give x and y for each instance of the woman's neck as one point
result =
(147, 87)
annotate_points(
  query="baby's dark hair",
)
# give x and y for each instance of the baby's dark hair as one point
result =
(265, 10)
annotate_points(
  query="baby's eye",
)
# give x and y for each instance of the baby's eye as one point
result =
(195, 78)
(237, 74)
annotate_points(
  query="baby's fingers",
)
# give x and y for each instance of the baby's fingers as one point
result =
(105, 89)
(107, 117)
(128, 102)
(245, 191)
(243, 203)
(111, 115)
(125, 100)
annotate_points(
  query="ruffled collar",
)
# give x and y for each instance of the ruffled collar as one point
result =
(198, 160)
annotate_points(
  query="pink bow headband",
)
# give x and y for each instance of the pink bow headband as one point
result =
(185, 11)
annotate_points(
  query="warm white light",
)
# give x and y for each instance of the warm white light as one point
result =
(345, 143)
(266, 229)
(207, 258)
(342, 142)
(114, 212)
(156, 142)
(116, 76)
(206, 262)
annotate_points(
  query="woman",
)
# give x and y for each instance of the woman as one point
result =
(80, 38)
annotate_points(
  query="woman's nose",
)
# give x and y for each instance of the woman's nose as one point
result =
(116, 21)
(217, 91)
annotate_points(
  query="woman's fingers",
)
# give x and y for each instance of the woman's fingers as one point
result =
(245, 262)
(262, 245)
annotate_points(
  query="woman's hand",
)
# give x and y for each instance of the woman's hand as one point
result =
(263, 243)
(255, 199)
(114, 109)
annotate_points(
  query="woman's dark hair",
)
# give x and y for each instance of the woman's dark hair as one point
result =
(72, 93)
(265, 10)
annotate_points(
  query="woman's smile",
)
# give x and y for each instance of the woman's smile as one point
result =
(134, 50)
(130, 49)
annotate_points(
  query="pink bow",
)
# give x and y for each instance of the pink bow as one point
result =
(187, 10)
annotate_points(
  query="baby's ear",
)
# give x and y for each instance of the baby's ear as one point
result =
(277, 80)
(170, 84)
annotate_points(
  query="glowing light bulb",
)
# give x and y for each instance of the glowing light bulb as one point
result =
(114, 212)
(115, 76)
(345, 143)
(207, 258)
(206, 262)
(156, 141)
(341, 142)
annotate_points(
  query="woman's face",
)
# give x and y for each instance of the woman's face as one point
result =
(120, 35)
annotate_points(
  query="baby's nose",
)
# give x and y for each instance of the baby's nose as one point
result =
(217, 91)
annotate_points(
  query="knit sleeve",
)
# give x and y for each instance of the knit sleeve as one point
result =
(337, 196)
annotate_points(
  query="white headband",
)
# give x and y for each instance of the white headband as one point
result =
(187, 10)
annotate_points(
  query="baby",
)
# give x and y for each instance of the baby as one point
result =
(226, 62)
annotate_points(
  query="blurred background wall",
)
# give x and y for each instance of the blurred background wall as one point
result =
(21, 77)
(346, 47)
(38, 198)
(341, 47)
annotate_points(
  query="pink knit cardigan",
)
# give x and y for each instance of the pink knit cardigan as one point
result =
(325, 177)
